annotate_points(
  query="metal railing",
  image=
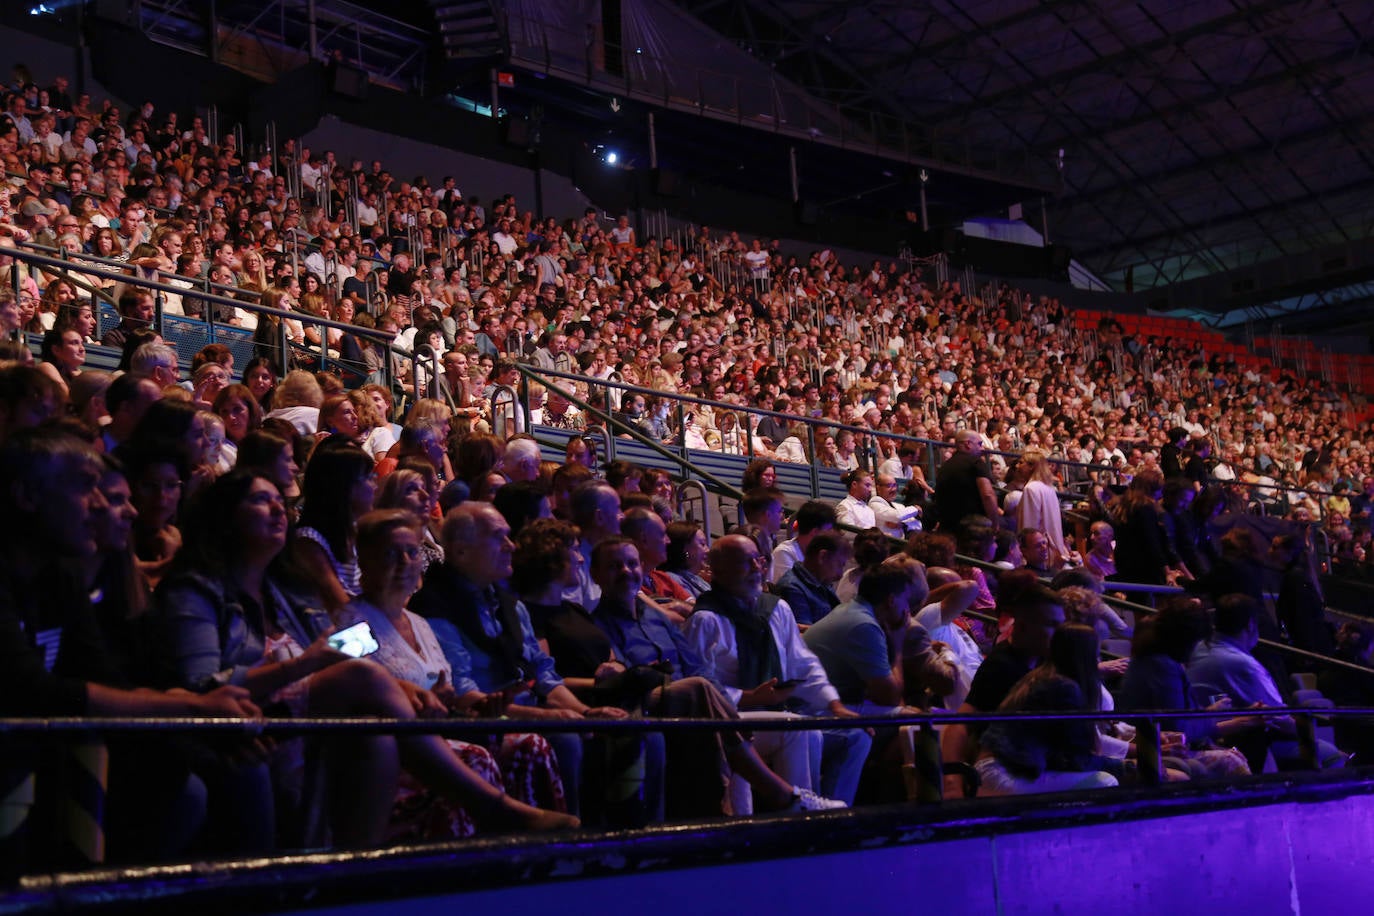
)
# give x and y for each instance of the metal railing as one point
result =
(1148, 722)
(610, 421)
(868, 454)
(211, 301)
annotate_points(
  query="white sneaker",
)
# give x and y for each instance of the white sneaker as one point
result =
(806, 800)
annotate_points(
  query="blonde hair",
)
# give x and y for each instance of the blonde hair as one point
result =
(1040, 467)
(369, 417)
(298, 389)
(431, 409)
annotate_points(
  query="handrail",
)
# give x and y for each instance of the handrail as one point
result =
(79, 261)
(610, 420)
(503, 399)
(705, 504)
(378, 337)
(211, 298)
(1146, 610)
(812, 422)
(928, 765)
(509, 724)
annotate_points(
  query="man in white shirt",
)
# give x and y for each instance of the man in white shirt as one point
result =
(949, 597)
(854, 510)
(752, 650)
(891, 517)
(813, 516)
(366, 211)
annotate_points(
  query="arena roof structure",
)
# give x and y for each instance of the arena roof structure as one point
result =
(1190, 138)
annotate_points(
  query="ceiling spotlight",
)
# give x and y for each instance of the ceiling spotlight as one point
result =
(612, 157)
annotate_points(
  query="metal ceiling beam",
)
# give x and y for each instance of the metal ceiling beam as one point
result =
(1222, 93)
(961, 37)
(1164, 210)
(1257, 215)
(1237, 158)
(1123, 168)
(1362, 184)
(1219, 180)
(1104, 64)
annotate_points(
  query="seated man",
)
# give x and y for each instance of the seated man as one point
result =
(763, 506)
(641, 636)
(1224, 665)
(813, 516)
(751, 648)
(879, 659)
(594, 507)
(809, 587)
(136, 310)
(890, 516)
(645, 527)
(854, 509)
(487, 636)
(868, 645)
(1037, 552)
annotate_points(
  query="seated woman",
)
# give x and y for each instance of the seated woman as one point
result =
(260, 375)
(382, 399)
(298, 399)
(62, 355)
(226, 621)
(81, 317)
(687, 550)
(433, 415)
(153, 824)
(339, 417)
(155, 474)
(339, 488)
(792, 449)
(478, 455)
(1075, 653)
(241, 414)
(389, 555)
(207, 381)
(758, 473)
(1028, 757)
(374, 432)
(59, 294)
(274, 457)
(181, 424)
(409, 488)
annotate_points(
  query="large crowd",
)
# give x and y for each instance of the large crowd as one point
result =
(211, 541)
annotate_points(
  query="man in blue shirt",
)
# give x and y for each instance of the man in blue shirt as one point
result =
(642, 636)
(1224, 664)
(809, 587)
(486, 633)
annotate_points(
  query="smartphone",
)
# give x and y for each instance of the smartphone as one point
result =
(355, 641)
(789, 683)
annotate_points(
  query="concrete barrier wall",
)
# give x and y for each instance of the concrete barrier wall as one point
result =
(1279, 858)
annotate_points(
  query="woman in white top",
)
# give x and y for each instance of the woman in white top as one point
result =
(1039, 505)
(389, 545)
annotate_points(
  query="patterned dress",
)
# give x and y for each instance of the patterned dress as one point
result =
(522, 764)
